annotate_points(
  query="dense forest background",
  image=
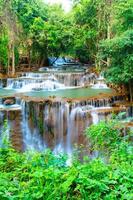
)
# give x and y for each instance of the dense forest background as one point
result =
(98, 32)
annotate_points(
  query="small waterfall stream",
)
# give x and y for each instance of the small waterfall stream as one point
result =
(31, 137)
(1, 84)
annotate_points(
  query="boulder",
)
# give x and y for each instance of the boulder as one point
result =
(9, 102)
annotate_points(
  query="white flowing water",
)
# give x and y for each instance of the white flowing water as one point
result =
(50, 81)
(9, 107)
(1, 83)
(32, 140)
(4, 129)
(95, 118)
(100, 86)
(100, 83)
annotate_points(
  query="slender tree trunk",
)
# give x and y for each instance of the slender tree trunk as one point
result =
(8, 63)
(130, 90)
(109, 27)
(108, 37)
(29, 58)
(44, 61)
(13, 60)
(99, 37)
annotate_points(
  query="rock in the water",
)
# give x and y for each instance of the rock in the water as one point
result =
(9, 102)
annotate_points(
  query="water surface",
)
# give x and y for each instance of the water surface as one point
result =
(70, 93)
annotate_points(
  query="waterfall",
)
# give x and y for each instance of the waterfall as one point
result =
(53, 123)
(63, 124)
(95, 118)
(100, 83)
(50, 81)
(4, 130)
(59, 140)
(88, 79)
(1, 84)
(1, 101)
(31, 138)
(72, 133)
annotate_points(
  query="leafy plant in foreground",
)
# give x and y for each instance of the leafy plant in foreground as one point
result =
(44, 176)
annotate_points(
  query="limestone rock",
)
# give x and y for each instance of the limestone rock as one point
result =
(9, 102)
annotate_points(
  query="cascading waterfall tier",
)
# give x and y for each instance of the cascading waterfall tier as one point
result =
(58, 125)
(50, 81)
(100, 83)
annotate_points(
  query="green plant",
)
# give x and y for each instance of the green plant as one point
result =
(105, 136)
(5, 136)
(34, 175)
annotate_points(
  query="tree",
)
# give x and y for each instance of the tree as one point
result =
(91, 24)
(9, 30)
(31, 14)
(119, 48)
(46, 27)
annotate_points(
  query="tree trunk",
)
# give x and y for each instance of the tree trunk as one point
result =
(108, 37)
(29, 59)
(109, 27)
(13, 60)
(44, 61)
(130, 90)
(8, 63)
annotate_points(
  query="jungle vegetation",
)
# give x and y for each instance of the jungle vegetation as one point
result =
(107, 176)
(98, 32)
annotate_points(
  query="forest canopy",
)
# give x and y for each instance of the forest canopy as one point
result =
(97, 32)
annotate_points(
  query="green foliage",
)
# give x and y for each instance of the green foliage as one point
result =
(124, 15)
(90, 20)
(47, 31)
(41, 176)
(120, 70)
(118, 48)
(28, 11)
(109, 136)
(33, 175)
(5, 143)
(3, 50)
(105, 136)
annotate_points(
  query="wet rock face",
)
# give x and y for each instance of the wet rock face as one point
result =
(121, 89)
(9, 102)
(15, 118)
(3, 82)
(57, 124)
(13, 127)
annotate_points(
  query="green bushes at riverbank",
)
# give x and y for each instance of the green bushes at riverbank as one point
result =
(41, 176)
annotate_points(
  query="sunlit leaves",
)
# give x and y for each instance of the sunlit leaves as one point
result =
(119, 49)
